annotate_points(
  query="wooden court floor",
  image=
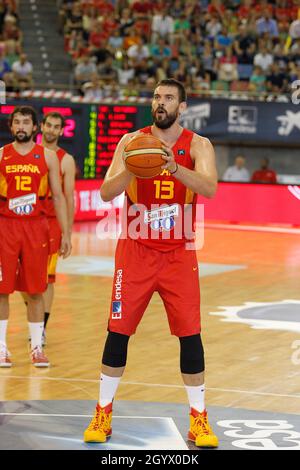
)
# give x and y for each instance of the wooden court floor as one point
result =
(246, 367)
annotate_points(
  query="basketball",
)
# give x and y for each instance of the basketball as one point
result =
(143, 156)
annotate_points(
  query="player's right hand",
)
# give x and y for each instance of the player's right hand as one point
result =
(66, 246)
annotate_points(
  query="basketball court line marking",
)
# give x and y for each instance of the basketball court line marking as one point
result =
(175, 434)
(254, 228)
(229, 390)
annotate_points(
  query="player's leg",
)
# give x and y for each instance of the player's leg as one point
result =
(183, 309)
(9, 254)
(4, 313)
(35, 314)
(113, 365)
(33, 281)
(54, 246)
(132, 291)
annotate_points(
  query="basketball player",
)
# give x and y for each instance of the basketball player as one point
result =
(52, 128)
(25, 169)
(168, 267)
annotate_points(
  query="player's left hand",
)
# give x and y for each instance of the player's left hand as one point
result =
(66, 246)
(171, 164)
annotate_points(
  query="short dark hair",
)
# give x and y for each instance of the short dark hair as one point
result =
(55, 115)
(25, 111)
(176, 84)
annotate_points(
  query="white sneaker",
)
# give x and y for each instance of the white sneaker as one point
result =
(4, 356)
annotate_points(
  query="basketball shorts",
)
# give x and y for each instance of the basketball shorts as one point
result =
(139, 272)
(23, 255)
(54, 246)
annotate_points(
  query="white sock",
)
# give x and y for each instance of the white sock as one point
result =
(196, 397)
(3, 328)
(36, 331)
(108, 388)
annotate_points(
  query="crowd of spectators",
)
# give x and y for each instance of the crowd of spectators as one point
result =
(125, 46)
(15, 69)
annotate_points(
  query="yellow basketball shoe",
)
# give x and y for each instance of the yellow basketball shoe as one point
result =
(200, 431)
(100, 427)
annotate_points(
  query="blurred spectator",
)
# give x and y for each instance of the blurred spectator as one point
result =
(115, 41)
(244, 45)
(276, 80)
(264, 174)
(266, 24)
(237, 172)
(125, 73)
(93, 90)
(5, 68)
(107, 71)
(12, 51)
(263, 58)
(258, 79)
(142, 8)
(85, 70)
(138, 52)
(161, 49)
(227, 69)
(22, 73)
(213, 27)
(98, 35)
(74, 19)
(126, 21)
(162, 26)
(11, 30)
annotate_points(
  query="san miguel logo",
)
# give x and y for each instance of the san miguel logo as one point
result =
(282, 315)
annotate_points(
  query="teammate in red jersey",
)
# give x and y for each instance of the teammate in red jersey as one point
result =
(25, 169)
(168, 267)
(52, 129)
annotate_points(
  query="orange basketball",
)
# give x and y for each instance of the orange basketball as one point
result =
(143, 156)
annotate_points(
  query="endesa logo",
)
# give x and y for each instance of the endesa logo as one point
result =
(118, 285)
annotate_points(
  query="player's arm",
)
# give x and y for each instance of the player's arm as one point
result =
(58, 201)
(1, 153)
(117, 177)
(204, 178)
(69, 170)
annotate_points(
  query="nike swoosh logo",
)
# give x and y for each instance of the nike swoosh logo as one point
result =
(7, 158)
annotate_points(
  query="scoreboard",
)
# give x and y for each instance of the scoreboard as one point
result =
(107, 125)
(92, 132)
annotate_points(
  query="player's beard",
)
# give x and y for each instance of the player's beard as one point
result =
(22, 137)
(166, 120)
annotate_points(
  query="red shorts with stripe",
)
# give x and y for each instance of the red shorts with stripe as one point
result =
(54, 246)
(139, 272)
(23, 255)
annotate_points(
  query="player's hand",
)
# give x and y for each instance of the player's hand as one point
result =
(66, 246)
(171, 164)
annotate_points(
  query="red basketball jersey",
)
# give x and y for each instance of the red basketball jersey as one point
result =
(160, 211)
(23, 182)
(50, 211)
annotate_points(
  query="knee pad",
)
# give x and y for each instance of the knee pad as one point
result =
(191, 354)
(115, 350)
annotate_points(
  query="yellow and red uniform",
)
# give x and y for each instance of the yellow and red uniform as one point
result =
(54, 228)
(23, 225)
(166, 212)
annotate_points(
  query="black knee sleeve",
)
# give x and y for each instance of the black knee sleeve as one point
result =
(191, 355)
(115, 350)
